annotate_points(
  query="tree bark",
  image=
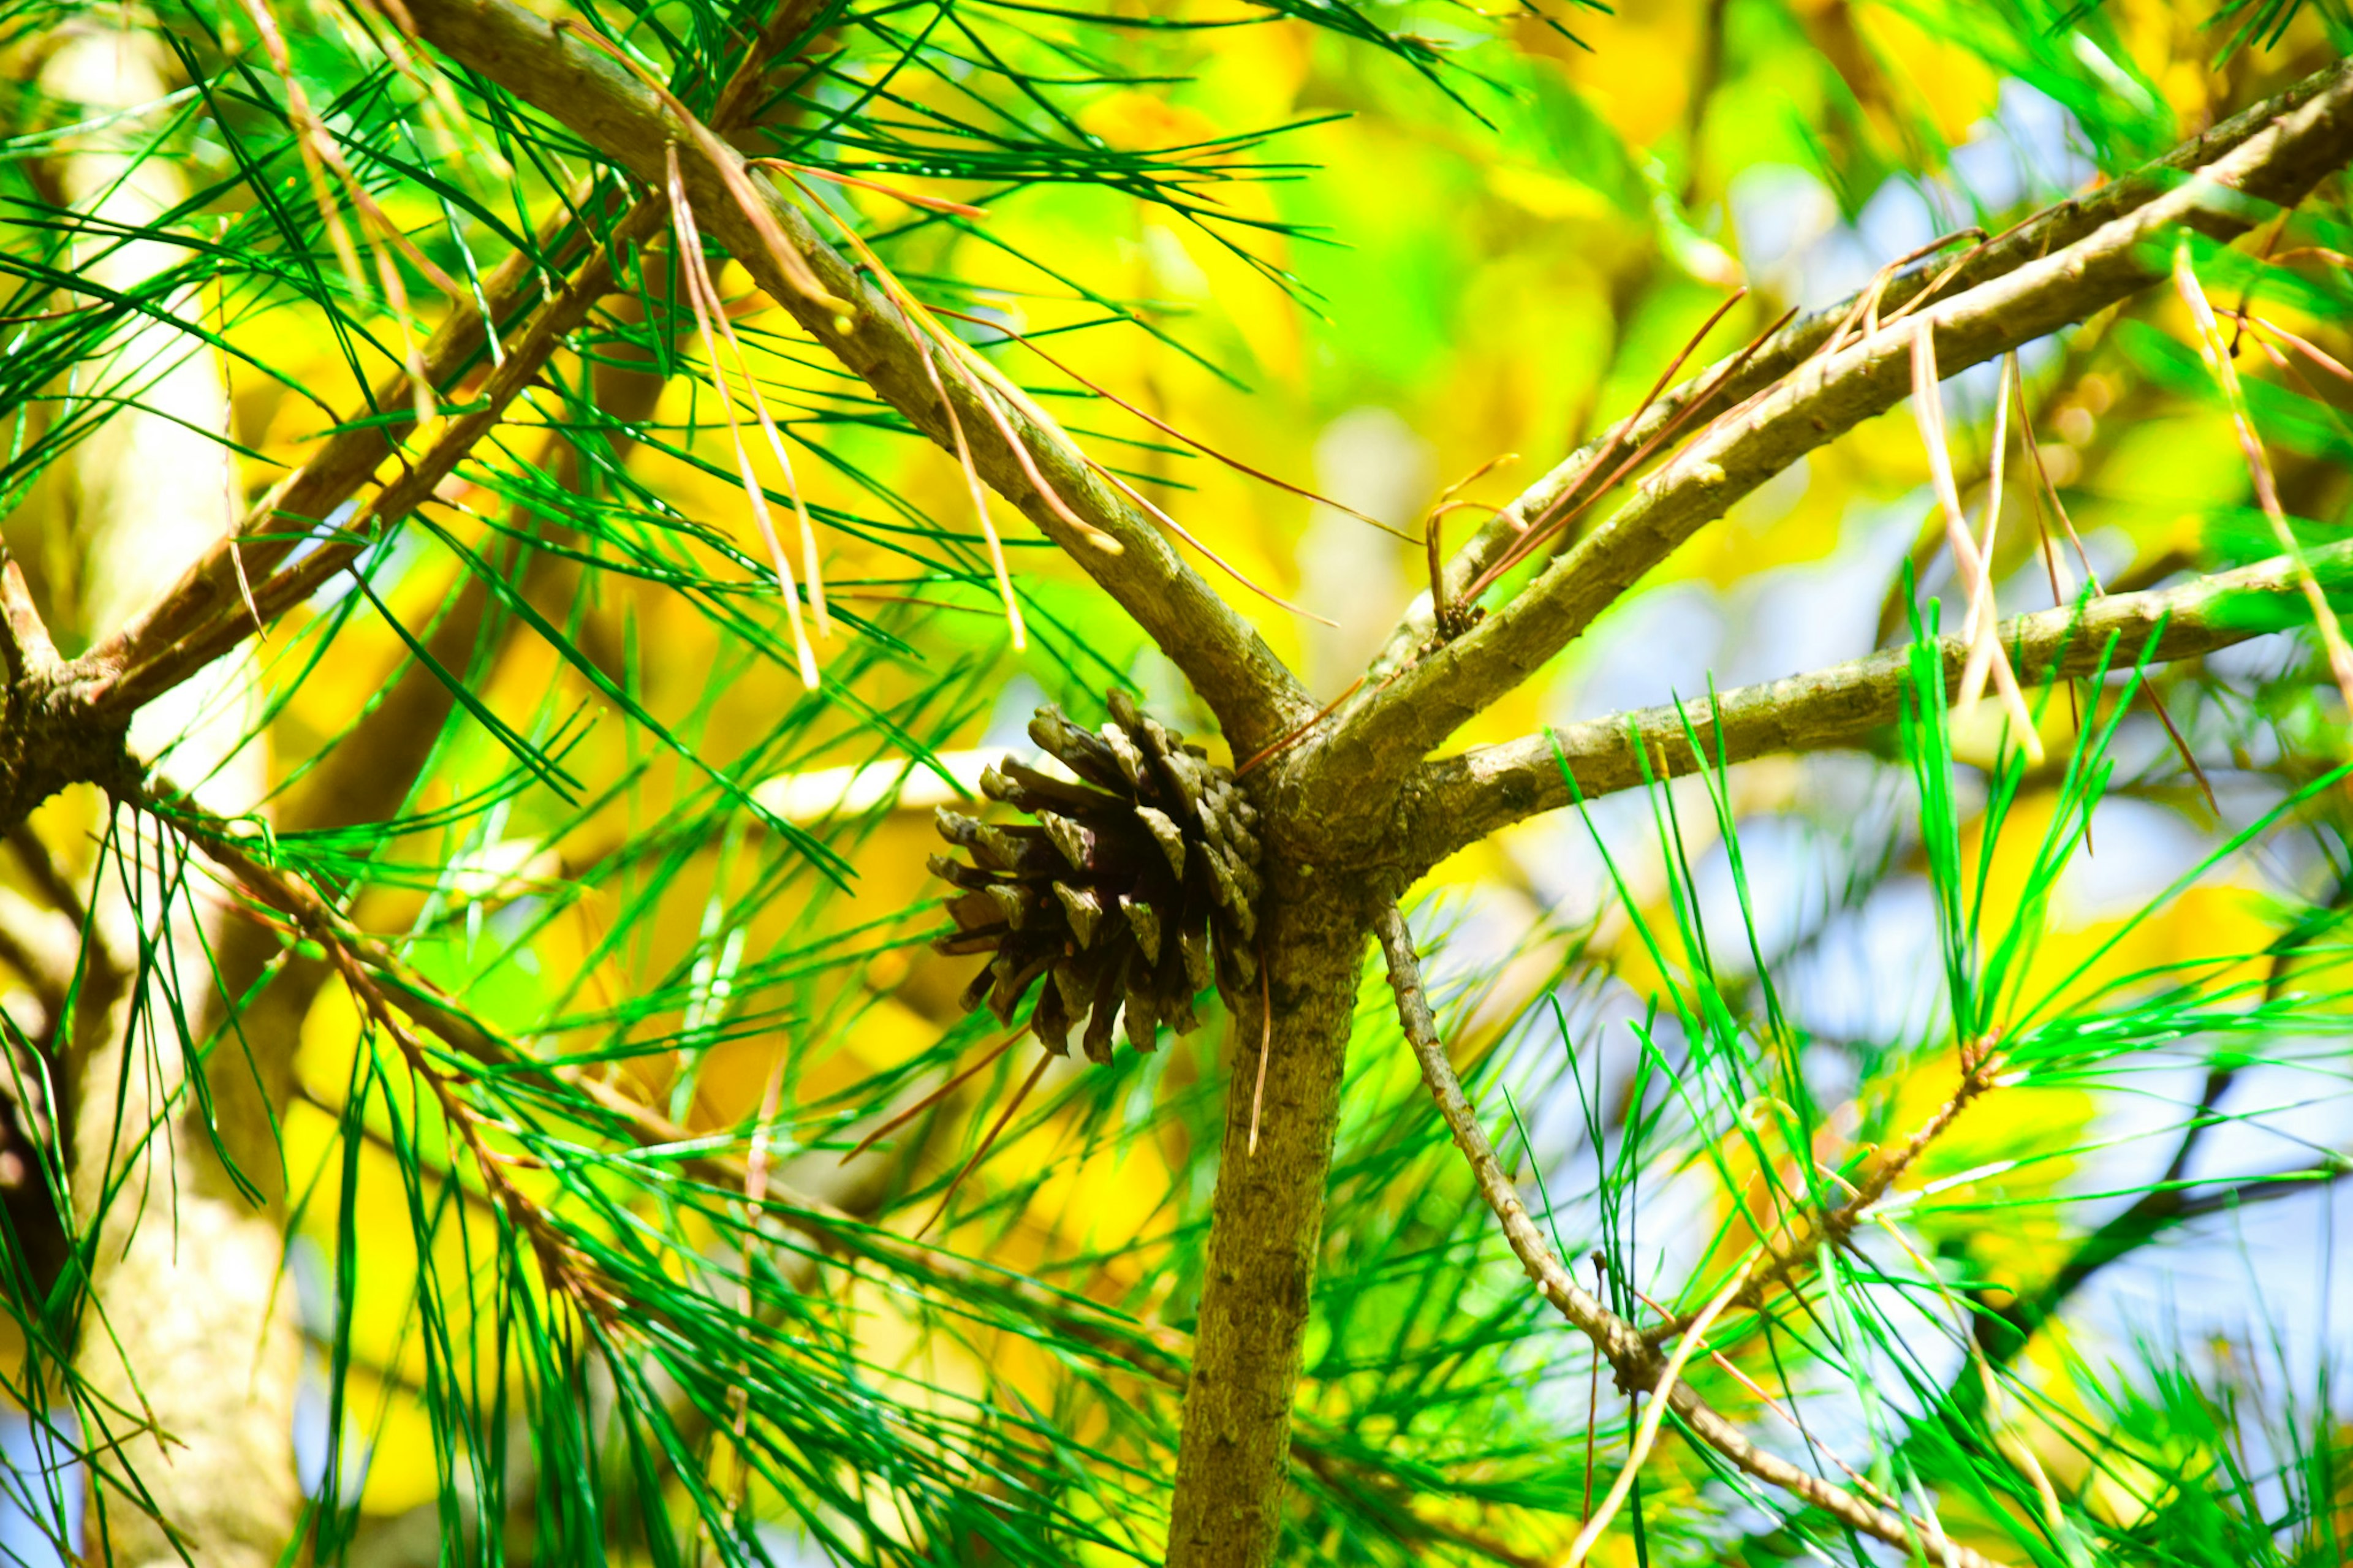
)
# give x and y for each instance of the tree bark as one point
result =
(189, 1351)
(1266, 1221)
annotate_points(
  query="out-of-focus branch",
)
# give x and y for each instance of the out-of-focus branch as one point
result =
(1403, 718)
(595, 97)
(1458, 800)
(275, 525)
(1636, 1364)
(41, 945)
(2002, 1331)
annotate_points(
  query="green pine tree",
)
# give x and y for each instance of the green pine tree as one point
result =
(515, 516)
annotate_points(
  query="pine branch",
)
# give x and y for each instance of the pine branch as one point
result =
(218, 583)
(1573, 482)
(131, 670)
(1416, 708)
(65, 719)
(1829, 1229)
(591, 94)
(215, 585)
(1637, 1367)
(1153, 1351)
(1460, 800)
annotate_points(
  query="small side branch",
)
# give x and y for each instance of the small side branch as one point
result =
(1460, 800)
(1150, 1349)
(1828, 1230)
(1638, 1367)
(1930, 274)
(128, 672)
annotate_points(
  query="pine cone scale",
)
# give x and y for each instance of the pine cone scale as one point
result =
(1133, 888)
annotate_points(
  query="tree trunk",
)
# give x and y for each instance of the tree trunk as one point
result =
(190, 1351)
(1267, 1224)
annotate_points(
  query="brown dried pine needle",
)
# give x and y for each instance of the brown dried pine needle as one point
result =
(2217, 353)
(1987, 655)
(702, 296)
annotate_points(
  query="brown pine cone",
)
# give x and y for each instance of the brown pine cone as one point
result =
(1131, 880)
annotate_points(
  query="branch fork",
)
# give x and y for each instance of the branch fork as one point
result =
(47, 738)
(1354, 807)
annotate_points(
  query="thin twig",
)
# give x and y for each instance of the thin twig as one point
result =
(1458, 800)
(1982, 1065)
(1635, 1363)
(1647, 1433)
(1987, 655)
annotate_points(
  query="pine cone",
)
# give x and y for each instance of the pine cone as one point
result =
(1129, 882)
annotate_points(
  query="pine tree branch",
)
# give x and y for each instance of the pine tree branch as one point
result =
(1153, 1351)
(1637, 1367)
(131, 670)
(1458, 800)
(218, 584)
(64, 720)
(1402, 719)
(214, 587)
(591, 94)
(1817, 1231)
(1573, 480)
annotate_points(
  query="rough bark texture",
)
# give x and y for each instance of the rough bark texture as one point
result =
(1267, 1225)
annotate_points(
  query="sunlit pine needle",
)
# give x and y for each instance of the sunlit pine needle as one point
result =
(1658, 390)
(979, 499)
(1554, 522)
(321, 158)
(985, 377)
(421, 385)
(704, 299)
(1993, 486)
(790, 259)
(728, 163)
(931, 1098)
(1647, 1433)
(1181, 532)
(2259, 468)
(1172, 431)
(2056, 568)
(756, 1193)
(912, 198)
(812, 570)
(1985, 655)
(2305, 346)
(1265, 1047)
(2042, 472)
